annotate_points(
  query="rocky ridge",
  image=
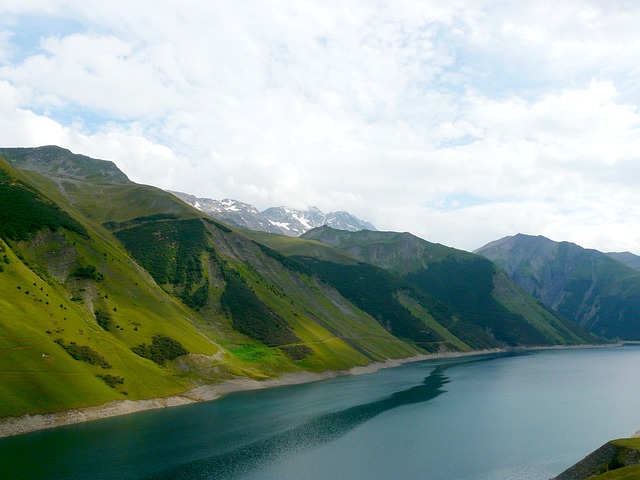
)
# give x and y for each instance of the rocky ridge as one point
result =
(281, 220)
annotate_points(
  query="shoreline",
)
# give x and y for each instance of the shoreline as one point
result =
(28, 423)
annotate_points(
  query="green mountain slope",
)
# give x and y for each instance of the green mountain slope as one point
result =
(58, 163)
(586, 286)
(398, 306)
(473, 289)
(113, 290)
(56, 279)
(626, 258)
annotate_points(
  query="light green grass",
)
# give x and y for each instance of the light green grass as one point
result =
(39, 376)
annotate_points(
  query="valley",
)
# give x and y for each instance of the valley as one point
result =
(160, 299)
(119, 297)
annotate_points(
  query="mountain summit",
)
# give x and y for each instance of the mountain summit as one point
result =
(281, 220)
(586, 286)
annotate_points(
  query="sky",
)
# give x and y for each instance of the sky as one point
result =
(459, 121)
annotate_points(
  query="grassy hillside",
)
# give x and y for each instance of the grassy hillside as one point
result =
(112, 291)
(398, 306)
(586, 286)
(472, 288)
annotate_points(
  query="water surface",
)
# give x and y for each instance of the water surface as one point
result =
(516, 416)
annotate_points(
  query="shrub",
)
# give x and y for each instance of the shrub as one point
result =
(198, 298)
(112, 380)
(84, 353)
(89, 272)
(161, 350)
(296, 352)
(171, 250)
(103, 318)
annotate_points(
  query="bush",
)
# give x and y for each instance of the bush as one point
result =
(84, 353)
(296, 352)
(103, 318)
(198, 298)
(89, 272)
(161, 350)
(375, 291)
(112, 380)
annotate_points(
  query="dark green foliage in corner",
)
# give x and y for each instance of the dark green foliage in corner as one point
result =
(250, 315)
(161, 350)
(103, 318)
(84, 353)
(89, 272)
(169, 250)
(24, 211)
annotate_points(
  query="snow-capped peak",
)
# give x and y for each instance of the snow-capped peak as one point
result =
(282, 219)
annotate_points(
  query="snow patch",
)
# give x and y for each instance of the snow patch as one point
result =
(286, 226)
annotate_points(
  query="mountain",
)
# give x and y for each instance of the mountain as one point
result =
(626, 258)
(111, 290)
(586, 286)
(282, 220)
(232, 212)
(59, 163)
(464, 296)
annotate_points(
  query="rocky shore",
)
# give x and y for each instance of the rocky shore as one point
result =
(10, 426)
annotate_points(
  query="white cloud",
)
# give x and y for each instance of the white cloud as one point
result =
(459, 121)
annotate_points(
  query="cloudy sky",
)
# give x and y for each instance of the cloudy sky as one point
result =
(459, 121)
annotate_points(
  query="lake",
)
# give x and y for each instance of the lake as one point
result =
(501, 416)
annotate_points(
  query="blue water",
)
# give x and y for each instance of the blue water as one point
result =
(518, 416)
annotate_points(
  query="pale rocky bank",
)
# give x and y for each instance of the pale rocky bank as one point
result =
(10, 426)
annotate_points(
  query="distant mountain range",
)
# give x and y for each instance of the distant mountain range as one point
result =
(598, 291)
(282, 220)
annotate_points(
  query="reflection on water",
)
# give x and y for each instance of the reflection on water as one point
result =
(314, 433)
